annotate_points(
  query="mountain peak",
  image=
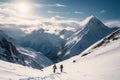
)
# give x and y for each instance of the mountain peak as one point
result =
(89, 20)
(92, 18)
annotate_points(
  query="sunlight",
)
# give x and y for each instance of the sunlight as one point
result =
(23, 7)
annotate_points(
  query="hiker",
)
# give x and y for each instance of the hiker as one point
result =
(61, 68)
(54, 68)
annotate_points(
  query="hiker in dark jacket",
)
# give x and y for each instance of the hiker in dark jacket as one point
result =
(54, 68)
(61, 68)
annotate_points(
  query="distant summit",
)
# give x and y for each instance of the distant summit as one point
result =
(92, 21)
(93, 30)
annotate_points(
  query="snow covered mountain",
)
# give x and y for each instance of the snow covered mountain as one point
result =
(34, 59)
(101, 64)
(65, 34)
(8, 52)
(62, 44)
(48, 44)
(93, 30)
(102, 43)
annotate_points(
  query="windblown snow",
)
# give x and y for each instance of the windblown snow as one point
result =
(101, 64)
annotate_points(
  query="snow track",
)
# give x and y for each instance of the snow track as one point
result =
(54, 76)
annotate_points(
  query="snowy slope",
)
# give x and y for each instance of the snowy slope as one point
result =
(93, 31)
(101, 64)
(34, 59)
(19, 55)
(10, 71)
(103, 42)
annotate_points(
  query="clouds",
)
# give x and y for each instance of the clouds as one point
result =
(9, 14)
(60, 5)
(103, 11)
(59, 17)
(53, 12)
(78, 12)
(56, 5)
(51, 25)
(45, 15)
(56, 12)
(29, 22)
(114, 23)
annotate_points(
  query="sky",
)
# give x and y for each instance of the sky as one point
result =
(34, 11)
(105, 9)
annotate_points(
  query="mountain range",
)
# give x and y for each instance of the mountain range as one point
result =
(12, 53)
(40, 48)
(99, 61)
(93, 30)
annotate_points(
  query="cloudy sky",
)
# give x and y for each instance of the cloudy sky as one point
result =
(34, 11)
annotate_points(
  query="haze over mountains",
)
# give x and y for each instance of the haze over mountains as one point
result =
(60, 44)
(58, 48)
(15, 54)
